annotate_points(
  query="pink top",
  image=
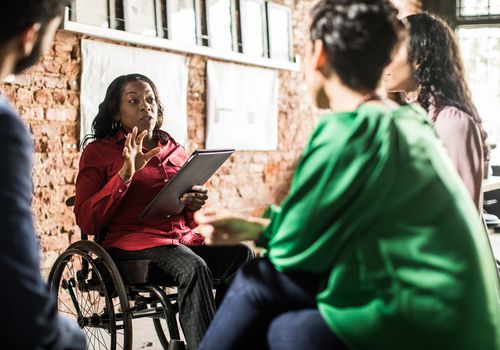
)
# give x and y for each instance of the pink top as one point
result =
(462, 140)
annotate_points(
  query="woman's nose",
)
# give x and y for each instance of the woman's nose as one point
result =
(145, 106)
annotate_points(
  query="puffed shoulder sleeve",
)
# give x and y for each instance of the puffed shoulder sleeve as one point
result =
(462, 140)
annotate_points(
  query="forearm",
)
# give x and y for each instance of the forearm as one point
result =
(94, 208)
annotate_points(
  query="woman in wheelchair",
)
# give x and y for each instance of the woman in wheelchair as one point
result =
(121, 171)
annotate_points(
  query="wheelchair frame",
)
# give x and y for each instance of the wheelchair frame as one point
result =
(87, 282)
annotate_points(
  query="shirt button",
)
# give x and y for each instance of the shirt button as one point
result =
(165, 180)
(159, 164)
(120, 190)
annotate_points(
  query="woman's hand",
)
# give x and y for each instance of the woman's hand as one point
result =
(132, 154)
(196, 198)
(227, 229)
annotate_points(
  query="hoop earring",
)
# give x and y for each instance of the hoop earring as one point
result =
(116, 125)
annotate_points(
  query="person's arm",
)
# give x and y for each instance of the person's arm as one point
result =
(462, 141)
(97, 197)
(28, 318)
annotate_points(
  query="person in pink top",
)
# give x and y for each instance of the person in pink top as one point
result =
(429, 69)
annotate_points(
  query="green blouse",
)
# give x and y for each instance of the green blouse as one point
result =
(377, 208)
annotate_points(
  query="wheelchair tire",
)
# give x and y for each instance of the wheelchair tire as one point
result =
(90, 289)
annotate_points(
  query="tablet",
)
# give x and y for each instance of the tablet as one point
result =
(200, 166)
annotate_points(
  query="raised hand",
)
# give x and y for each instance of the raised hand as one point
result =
(134, 158)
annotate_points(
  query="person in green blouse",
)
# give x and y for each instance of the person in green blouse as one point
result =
(377, 245)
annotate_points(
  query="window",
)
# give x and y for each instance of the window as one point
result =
(255, 32)
(182, 21)
(254, 27)
(143, 17)
(220, 19)
(478, 32)
(94, 12)
(476, 8)
(280, 32)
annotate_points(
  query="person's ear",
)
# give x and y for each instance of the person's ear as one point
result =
(318, 57)
(28, 38)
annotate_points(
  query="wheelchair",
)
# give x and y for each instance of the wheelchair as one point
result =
(104, 295)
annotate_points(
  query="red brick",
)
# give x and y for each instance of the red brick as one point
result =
(43, 97)
(24, 96)
(62, 114)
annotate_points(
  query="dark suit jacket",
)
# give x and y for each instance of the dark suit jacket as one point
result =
(28, 316)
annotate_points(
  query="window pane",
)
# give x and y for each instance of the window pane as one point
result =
(219, 24)
(182, 21)
(478, 7)
(93, 12)
(495, 7)
(481, 52)
(279, 32)
(252, 28)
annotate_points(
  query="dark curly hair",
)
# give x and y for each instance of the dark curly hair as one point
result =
(103, 125)
(439, 72)
(359, 37)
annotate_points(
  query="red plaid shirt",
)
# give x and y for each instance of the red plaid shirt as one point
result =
(104, 202)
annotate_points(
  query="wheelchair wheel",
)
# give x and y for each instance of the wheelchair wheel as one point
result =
(90, 290)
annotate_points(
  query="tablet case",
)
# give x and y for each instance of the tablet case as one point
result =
(200, 166)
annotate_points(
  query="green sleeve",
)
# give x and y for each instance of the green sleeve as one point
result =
(330, 195)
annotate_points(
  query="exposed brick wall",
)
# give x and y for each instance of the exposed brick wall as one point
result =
(47, 98)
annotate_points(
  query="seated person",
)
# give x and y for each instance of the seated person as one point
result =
(377, 245)
(121, 172)
(428, 69)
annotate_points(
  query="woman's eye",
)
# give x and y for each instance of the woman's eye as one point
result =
(151, 100)
(133, 101)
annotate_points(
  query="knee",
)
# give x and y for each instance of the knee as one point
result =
(196, 269)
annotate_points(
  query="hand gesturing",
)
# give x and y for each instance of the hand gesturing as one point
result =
(134, 158)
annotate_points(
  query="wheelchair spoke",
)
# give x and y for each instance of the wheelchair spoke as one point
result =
(85, 283)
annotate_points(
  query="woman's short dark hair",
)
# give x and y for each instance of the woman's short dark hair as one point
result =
(17, 15)
(359, 37)
(104, 124)
(440, 73)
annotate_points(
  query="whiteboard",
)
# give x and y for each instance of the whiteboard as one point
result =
(242, 107)
(103, 62)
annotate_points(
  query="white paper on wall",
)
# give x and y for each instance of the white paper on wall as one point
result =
(103, 62)
(242, 107)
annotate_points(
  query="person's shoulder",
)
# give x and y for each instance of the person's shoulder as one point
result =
(453, 114)
(8, 117)
(97, 149)
(11, 126)
(451, 119)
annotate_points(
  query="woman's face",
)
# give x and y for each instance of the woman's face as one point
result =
(399, 74)
(138, 107)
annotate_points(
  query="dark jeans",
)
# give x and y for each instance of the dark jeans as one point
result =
(196, 271)
(267, 309)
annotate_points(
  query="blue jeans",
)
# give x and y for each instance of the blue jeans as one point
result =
(267, 309)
